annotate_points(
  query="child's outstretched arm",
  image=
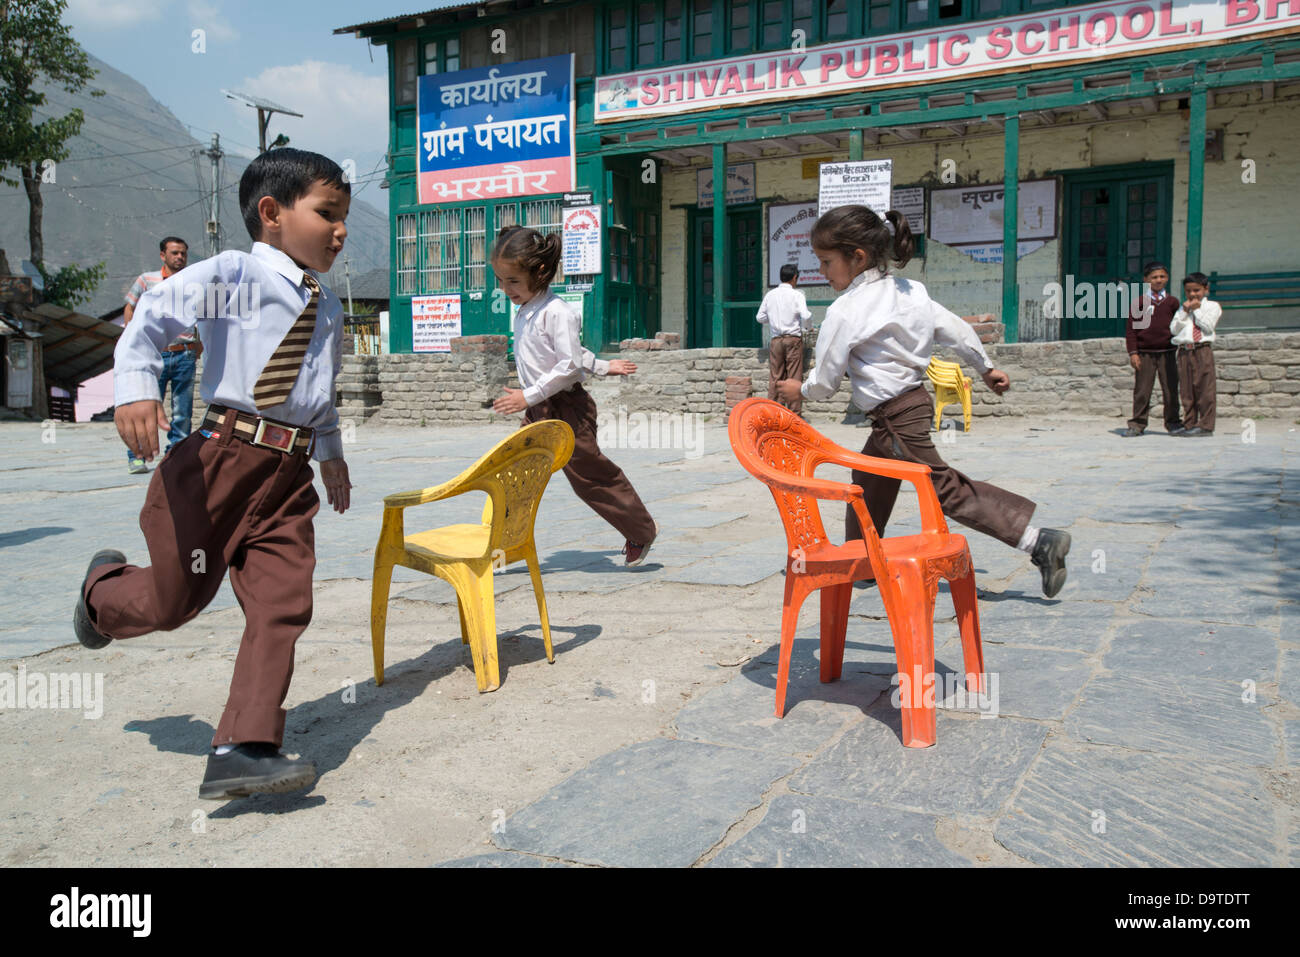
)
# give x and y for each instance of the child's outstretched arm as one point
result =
(954, 332)
(834, 343)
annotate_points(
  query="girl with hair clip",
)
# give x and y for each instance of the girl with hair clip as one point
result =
(552, 365)
(882, 331)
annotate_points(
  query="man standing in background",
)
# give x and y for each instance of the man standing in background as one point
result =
(181, 357)
(786, 311)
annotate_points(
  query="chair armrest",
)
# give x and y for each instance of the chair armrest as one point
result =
(426, 495)
(794, 484)
(932, 519)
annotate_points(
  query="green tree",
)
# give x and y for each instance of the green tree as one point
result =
(36, 44)
(71, 285)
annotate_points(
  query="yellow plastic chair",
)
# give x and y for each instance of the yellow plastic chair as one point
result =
(514, 475)
(950, 386)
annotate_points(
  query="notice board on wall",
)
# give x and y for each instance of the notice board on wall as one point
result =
(972, 215)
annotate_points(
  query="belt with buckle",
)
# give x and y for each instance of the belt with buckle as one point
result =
(182, 346)
(256, 430)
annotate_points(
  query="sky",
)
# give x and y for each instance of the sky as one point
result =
(281, 50)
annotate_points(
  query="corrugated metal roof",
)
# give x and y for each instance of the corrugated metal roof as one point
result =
(433, 8)
(77, 347)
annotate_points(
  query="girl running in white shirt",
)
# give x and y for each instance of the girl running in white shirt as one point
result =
(882, 331)
(552, 366)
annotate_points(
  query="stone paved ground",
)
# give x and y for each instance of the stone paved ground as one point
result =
(1148, 716)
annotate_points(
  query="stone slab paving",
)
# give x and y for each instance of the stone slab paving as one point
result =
(1148, 715)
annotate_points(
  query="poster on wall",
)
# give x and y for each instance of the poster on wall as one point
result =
(496, 132)
(741, 185)
(972, 215)
(858, 183)
(910, 201)
(435, 321)
(581, 249)
(575, 301)
(789, 240)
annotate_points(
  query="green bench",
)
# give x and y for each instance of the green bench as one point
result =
(1261, 290)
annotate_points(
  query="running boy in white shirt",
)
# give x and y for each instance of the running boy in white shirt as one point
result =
(552, 365)
(882, 331)
(785, 310)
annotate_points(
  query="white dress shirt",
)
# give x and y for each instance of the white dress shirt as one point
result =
(786, 309)
(882, 330)
(243, 304)
(1206, 316)
(548, 354)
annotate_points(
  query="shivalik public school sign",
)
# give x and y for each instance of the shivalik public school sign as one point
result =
(1050, 38)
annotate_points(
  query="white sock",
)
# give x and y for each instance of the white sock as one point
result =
(225, 748)
(1029, 540)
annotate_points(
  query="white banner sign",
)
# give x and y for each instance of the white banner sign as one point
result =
(435, 321)
(789, 240)
(741, 185)
(1097, 31)
(910, 201)
(581, 255)
(861, 183)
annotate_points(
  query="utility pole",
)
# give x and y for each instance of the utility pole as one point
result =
(214, 153)
(347, 279)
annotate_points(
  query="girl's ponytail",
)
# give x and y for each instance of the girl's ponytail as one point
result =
(904, 241)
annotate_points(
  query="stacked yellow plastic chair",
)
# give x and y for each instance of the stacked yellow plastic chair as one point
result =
(514, 475)
(950, 386)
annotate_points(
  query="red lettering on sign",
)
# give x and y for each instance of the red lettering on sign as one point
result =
(672, 87)
(1274, 8)
(1105, 20)
(650, 91)
(857, 69)
(709, 81)
(830, 63)
(792, 72)
(910, 65)
(950, 55)
(1070, 35)
(1023, 41)
(1000, 43)
(1167, 26)
(1240, 11)
(752, 85)
(1138, 22)
(732, 82)
(886, 59)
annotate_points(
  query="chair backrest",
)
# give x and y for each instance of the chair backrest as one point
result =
(514, 475)
(772, 443)
(944, 373)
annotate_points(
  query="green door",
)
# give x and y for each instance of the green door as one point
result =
(632, 269)
(1115, 222)
(744, 277)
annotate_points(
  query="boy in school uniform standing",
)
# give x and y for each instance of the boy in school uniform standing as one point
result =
(1151, 352)
(237, 494)
(785, 310)
(1193, 332)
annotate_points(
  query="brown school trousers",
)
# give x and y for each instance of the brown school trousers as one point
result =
(1150, 366)
(901, 430)
(1197, 380)
(785, 361)
(595, 479)
(215, 504)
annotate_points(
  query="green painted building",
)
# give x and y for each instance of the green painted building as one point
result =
(1092, 138)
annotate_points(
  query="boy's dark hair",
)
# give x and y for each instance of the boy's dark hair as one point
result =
(847, 228)
(1199, 278)
(788, 272)
(537, 255)
(1149, 268)
(286, 175)
(162, 246)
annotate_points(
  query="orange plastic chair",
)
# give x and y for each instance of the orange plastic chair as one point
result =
(950, 386)
(783, 451)
(514, 474)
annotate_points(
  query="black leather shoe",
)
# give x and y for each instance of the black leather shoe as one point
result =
(253, 768)
(1131, 432)
(1049, 556)
(1177, 430)
(1197, 432)
(81, 623)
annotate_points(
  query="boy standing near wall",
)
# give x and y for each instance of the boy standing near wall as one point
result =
(1193, 332)
(785, 309)
(1151, 352)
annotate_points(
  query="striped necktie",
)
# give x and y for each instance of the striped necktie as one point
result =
(1196, 330)
(281, 371)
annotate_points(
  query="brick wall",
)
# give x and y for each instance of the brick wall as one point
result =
(1259, 377)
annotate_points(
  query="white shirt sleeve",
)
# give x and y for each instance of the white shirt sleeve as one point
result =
(956, 333)
(137, 357)
(562, 327)
(805, 314)
(1207, 315)
(594, 365)
(762, 310)
(834, 343)
(329, 440)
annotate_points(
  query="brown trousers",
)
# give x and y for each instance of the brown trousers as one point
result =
(595, 479)
(901, 430)
(1196, 378)
(785, 361)
(216, 504)
(1150, 366)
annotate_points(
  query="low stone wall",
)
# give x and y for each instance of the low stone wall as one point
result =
(1258, 377)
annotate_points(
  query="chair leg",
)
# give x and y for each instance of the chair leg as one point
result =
(464, 630)
(474, 589)
(379, 588)
(965, 407)
(938, 409)
(966, 602)
(536, 572)
(835, 623)
(911, 619)
(795, 593)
